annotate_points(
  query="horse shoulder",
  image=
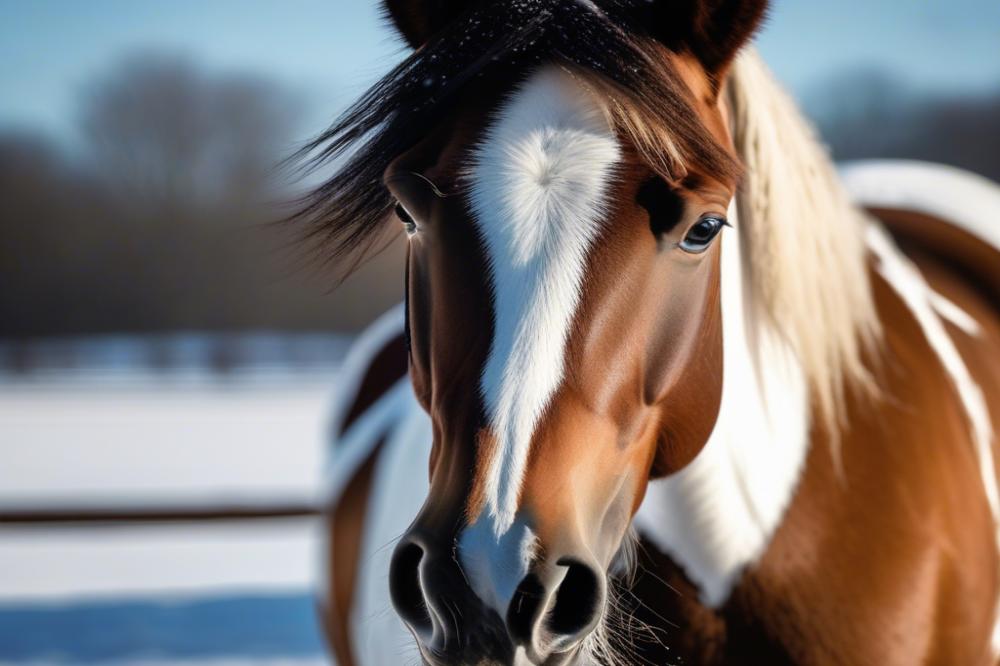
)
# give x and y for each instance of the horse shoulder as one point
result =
(893, 517)
(362, 418)
(886, 554)
(899, 512)
(947, 222)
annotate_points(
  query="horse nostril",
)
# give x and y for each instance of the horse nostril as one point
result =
(404, 587)
(578, 601)
(524, 607)
(545, 619)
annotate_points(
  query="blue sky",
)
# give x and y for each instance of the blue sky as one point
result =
(331, 49)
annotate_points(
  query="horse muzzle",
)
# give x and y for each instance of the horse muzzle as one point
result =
(552, 610)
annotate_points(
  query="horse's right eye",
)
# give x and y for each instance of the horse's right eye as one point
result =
(408, 222)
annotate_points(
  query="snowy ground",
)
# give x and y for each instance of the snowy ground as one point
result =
(210, 593)
(159, 661)
(170, 440)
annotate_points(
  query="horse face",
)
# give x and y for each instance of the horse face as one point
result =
(565, 337)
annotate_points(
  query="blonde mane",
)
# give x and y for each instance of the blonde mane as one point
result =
(803, 241)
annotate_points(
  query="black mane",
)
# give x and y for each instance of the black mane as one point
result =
(505, 40)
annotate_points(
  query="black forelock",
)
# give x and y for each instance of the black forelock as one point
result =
(500, 41)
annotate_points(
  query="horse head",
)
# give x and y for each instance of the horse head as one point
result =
(563, 171)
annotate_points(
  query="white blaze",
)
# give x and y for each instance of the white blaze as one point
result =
(539, 187)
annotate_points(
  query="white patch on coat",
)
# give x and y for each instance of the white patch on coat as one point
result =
(964, 199)
(378, 635)
(922, 301)
(349, 449)
(399, 487)
(539, 187)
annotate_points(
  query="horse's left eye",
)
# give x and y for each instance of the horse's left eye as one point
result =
(408, 222)
(701, 235)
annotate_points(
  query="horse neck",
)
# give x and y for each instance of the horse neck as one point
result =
(717, 515)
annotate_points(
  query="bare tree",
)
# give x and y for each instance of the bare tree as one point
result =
(162, 132)
(864, 114)
(163, 224)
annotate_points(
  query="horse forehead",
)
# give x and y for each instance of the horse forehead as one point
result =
(539, 191)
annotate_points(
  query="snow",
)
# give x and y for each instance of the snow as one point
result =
(178, 561)
(240, 661)
(122, 436)
(179, 441)
(143, 439)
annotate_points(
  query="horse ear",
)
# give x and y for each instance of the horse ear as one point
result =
(713, 30)
(418, 20)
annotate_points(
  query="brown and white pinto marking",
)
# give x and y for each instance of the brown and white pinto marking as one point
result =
(793, 416)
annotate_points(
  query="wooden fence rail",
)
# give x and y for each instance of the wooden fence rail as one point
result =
(113, 515)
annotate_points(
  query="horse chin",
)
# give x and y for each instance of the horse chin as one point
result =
(584, 652)
(572, 657)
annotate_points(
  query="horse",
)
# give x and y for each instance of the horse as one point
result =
(666, 386)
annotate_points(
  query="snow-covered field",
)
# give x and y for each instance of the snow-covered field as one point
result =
(141, 593)
(170, 440)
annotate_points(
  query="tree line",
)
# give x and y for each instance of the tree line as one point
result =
(162, 219)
